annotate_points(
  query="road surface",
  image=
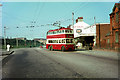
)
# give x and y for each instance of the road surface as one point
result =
(42, 63)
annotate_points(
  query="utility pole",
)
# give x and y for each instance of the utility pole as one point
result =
(25, 42)
(73, 23)
(5, 37)
(17, 39)
(35, 43)
(95, 33)
(73, 20)
(99, 37)
(16, 42)
(94, 20)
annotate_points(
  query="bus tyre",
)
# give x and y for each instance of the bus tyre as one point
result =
(49, 48)
(52, 48)
(63, 48)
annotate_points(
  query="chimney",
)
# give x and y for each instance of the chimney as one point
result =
(0, 4)
(79, 19)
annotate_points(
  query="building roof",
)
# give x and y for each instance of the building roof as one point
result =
(116, 5)
(82, 24)
(102, 23)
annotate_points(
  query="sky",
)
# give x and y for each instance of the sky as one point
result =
(18, 17)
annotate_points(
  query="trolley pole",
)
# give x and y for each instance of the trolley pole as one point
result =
(5, 37)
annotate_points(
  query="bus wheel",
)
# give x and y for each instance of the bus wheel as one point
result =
(63, 48)
(52, 48)
(49, 48)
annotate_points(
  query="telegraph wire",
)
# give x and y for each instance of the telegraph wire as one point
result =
(40, 11)
(73, 10)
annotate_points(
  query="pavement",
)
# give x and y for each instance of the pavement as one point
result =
(4, 53)
(100, 53)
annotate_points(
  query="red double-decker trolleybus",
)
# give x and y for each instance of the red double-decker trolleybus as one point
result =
(60, 39)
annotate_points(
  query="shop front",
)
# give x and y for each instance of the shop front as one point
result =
(84, 34)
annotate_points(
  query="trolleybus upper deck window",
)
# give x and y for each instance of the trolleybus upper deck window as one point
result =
(68, 31)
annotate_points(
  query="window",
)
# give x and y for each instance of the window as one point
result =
(53, 41)
(116, 37)
(62, 31)
(57, 32)
(60, 41)
(69, 40)
(108, 41)
(63, 41)
(53, 32)
(56, 41)
(70, 31)
(66, 31)
(49, 41)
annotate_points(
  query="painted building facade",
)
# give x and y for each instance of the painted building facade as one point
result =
(84, 34)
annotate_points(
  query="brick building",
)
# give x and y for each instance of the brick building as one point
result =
(101, 30)
(114, 35)
(108, 35)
